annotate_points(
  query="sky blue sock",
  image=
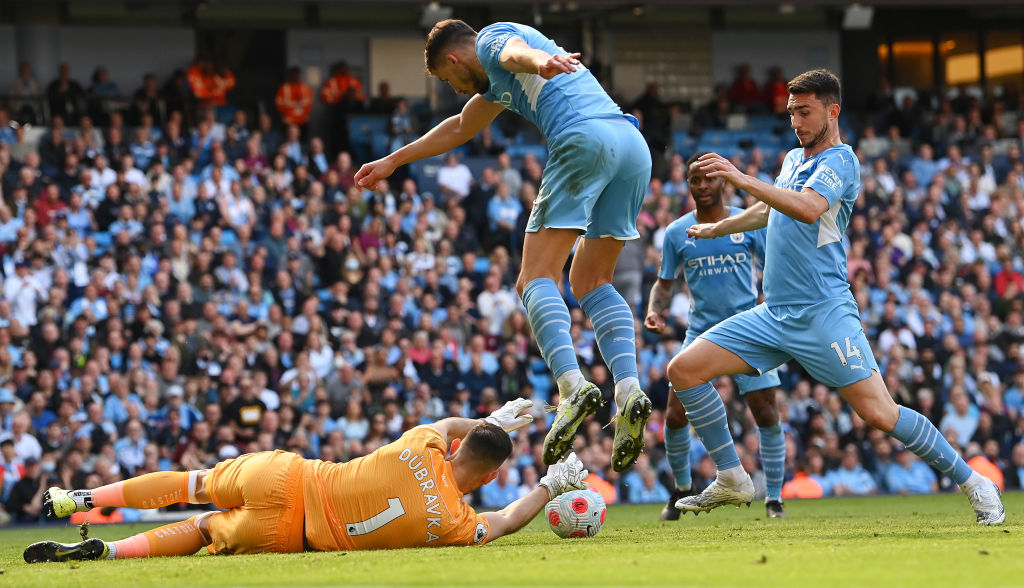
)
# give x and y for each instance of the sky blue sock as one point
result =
(550, 320)
(706, 411)
(613, 325)
(924, 440)
(677, 446)
(773, 459)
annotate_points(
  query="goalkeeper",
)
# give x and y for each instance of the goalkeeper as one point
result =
(405, 494)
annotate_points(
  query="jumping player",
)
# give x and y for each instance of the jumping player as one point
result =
(720, 273)
(597, 172)
(405, 494)
(809, 313)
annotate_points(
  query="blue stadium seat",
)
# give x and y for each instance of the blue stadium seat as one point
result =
(424, 172)
(379, 145)
(684, 144)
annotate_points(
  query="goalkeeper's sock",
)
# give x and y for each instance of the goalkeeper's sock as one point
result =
(182, 538)
(924, 440)
(614, 327)
(773, 459)
(549, 318)
(677, 446)
(706, 412)
(154, 490)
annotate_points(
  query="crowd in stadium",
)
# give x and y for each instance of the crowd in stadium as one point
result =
(184, 281)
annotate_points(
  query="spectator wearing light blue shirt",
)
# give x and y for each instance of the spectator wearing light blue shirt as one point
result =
(910, 475)
(500, 492)
(850, 478)
(131, 449)
(9, 225)
(126, 222)
(960, 417)
(502, 215)
(649, 490)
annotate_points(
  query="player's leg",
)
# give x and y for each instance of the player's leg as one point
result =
(691, 373)
(677, 448)
(745, 343)
(872, 401)
(832, 347)
(614, 327)
(181, 538)
(622, 170)
(544, 253)
(154, 490)
(772, 445)
(560, 212)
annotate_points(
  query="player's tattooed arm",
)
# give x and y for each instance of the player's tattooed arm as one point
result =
(657, 307)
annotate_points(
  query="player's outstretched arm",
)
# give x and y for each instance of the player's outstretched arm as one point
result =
(518, 57)
(452, 132)
(561, 477)
(511, 416)
(751, 219)
(516, 515)
(805, 206)
(661, 299)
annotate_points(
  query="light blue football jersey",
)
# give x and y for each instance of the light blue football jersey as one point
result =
(551, 104)
(806, 263)
(720, 271)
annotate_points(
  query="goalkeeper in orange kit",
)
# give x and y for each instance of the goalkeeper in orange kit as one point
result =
(405, 494)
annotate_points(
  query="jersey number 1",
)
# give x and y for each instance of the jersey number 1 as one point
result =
(392, 512)
(851, 351)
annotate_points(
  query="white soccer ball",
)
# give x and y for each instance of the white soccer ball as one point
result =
(579, 513)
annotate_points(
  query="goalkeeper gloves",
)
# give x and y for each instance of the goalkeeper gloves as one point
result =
(512, 416)
(564, 476)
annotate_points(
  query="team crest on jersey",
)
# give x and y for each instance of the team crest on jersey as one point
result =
(736, 237)
(481, 532)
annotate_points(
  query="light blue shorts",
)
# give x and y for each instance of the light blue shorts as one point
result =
(597, 174)
(826, 338)
(745, 382)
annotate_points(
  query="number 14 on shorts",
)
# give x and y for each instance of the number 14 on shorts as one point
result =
(851, 351)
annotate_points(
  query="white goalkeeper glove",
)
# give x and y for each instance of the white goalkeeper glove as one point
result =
(564, 476)
(512, 416)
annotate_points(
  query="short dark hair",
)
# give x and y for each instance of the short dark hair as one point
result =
(821, 82)
(487, 444)
(693, 159)
(446, 33)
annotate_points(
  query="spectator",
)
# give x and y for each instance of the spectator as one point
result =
(851, 479)
(294, 99)
(454, 179)
(65, 96)
(343, 94)
(210, 84)
(500, 492)
(744, 92)
(650, 490)
(26, 96)
(909, 475)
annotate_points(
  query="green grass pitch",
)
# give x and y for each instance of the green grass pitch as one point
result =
(928, 541)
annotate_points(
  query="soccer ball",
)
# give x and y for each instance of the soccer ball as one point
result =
(579, 513)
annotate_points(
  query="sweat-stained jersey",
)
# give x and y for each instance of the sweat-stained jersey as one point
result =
(402, 495)
(552, 104)
(720, 271)
(806, 263)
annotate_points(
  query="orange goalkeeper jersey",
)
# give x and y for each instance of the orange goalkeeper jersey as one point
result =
(402, 495)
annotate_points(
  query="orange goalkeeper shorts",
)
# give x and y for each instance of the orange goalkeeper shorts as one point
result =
(263, 495)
